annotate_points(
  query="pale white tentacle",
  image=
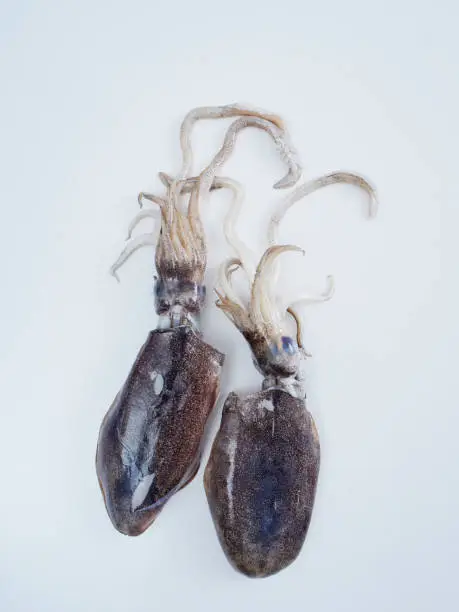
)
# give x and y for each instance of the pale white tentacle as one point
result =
(310, 187)
(301, 192)
(163, 204)
(206, 180)
(244, 253)
(210, 112)
(171, 218)
(151, 198)
(214, 112)
(187, 185)
(225, 271)
(312, 298)
(145, 213)
(264, 311)
(286, 150)
(133, 245)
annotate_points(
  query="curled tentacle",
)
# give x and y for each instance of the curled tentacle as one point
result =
(235, 313)
(264, 312)
(188, 184)
(210, 112)
(133, 245)
(145, 213)
(225, 272)
(244, 253)
(260, 320)
(310, 187)
(315, 298)
(162, 202)
(304, 299)
(214, 112)
(177, 246)
(181, 243)
(181, 229)
(296, 318)
(279, 136)
(207, 178)
(307, 297)
(228, 301)
(301, 192)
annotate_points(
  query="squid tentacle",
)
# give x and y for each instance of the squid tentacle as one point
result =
(244, 253)
(279, 137)
(313, 185)
(214, 112)
(145, 213)
(133, 245)
(211, 112)
(264, 312)
(301, 192)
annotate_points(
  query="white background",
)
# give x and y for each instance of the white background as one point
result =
(92, 95)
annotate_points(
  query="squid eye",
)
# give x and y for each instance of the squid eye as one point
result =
(288, 346)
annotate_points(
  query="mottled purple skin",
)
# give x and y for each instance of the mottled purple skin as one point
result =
(149, 442)
(261, 480)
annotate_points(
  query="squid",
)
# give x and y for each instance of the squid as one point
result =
(262, 473)
(149, 444)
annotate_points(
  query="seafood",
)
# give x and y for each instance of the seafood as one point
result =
(263, 469)
(149, 443)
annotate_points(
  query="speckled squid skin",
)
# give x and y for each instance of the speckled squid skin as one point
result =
(261, 479)
(149, 442)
